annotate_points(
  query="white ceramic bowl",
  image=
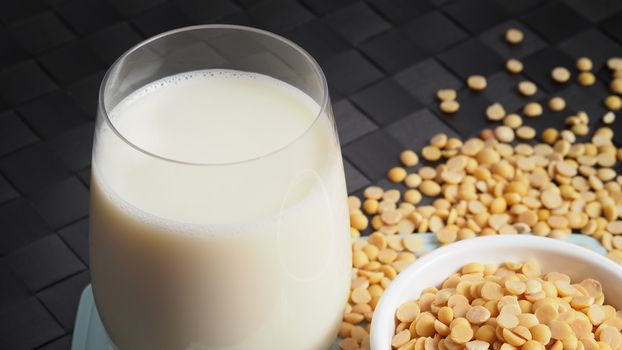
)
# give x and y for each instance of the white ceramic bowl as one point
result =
(435, 267)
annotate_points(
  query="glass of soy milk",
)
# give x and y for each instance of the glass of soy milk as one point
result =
(219, 215)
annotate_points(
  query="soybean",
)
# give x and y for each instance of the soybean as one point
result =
(476, 82)
(560, 74)
(514, 66)
(514, 36)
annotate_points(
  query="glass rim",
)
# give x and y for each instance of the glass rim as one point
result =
(314, 65)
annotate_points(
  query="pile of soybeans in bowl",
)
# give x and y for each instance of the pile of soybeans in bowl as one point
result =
(509, 307)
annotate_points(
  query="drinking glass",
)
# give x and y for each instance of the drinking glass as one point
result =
(203, 237)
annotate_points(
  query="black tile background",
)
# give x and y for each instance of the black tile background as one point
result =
(384, 60)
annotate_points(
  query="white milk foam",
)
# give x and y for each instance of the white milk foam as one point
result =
(134, 112)
(270, 141)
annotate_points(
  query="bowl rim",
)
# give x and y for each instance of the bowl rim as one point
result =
(383, 318)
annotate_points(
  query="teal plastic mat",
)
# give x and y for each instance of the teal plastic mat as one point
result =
(89, 333)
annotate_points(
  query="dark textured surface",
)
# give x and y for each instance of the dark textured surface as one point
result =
(384, 60)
